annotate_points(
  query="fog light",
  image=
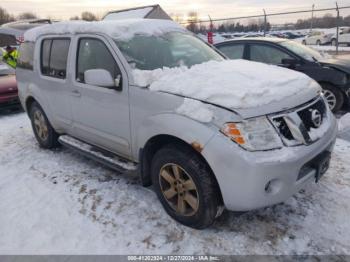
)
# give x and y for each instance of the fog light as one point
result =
(273, 187)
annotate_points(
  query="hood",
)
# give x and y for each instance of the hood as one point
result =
(8, 84)
(341, 63)
(248, 88)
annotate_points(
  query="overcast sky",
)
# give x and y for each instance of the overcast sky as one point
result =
(63, 9)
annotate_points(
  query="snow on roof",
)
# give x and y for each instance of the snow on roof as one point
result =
(231, 83)
(119, 29)
(132, 13)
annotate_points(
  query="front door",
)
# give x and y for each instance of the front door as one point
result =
(100, 114)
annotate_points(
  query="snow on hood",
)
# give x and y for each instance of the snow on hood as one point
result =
(230, 83)
(119, 29)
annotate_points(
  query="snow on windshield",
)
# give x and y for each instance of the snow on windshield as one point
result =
(229, 83)
(119, 29)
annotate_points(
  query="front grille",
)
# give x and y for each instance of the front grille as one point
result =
(295, 126)
(283, 128)
(306, 114)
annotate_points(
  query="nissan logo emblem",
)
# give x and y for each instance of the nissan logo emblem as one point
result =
(316, 118)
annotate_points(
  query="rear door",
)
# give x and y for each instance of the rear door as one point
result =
(101, 114)
(54, 54)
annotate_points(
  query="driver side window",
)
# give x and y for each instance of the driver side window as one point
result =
(267, 54)
(94, 54)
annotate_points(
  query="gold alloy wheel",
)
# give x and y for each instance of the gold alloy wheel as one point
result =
(40, 125)
(179, 189)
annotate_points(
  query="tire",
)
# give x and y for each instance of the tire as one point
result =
(304, 42)
(43, 131)
(190, 168)
(334, 97)
(318, 42)
(334, 42)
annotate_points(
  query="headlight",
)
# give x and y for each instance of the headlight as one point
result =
(254, 135)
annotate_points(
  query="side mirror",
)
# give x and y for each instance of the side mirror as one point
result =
(100, 77)
(290, 62)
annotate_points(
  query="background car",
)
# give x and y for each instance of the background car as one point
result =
(344, 37)
(333, 74)
(8, 88)
(317, 38)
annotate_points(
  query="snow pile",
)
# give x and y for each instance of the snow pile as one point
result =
(229, 83)
(128, 14)
(344, 123)
(196, 110)
(57, 202)
(119, 29)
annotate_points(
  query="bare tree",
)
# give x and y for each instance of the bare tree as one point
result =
(88, 16)
(74, 18)
(27, 15)
(192, 21)
(5, 17)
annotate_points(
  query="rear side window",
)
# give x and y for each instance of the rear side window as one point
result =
(54, 55)
(6, 39)
(26, 56)
(94, 54)
(233, 51)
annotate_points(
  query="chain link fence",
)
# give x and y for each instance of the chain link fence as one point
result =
(295, 24)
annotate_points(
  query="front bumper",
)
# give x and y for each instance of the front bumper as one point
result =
(243, 176)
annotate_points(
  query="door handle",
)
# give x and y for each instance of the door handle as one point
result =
(76, 93)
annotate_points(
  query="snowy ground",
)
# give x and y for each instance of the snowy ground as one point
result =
(57, 202)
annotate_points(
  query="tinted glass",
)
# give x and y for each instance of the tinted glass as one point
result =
(26, 55)
(58, 57)
(169, 50)
(267, 54)
(45, 56)
(54, 55)
(6, 40)
(94, 54)
(233, 51)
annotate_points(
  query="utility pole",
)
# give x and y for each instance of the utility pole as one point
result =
(312, 17)
(265, 22)
(338, 16)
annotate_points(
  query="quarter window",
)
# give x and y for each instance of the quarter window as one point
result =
(26, 56)
(94, 54)
(233, 51)
(54, 55)
(267, 54)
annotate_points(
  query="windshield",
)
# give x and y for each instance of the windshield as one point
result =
(303, 51)
(169, 50)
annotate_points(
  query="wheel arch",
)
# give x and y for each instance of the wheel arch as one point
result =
(159, 141)
(29, 102)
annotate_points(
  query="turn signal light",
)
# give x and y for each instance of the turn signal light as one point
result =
(231, 130)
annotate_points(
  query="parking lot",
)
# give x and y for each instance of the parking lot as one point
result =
(57, 202)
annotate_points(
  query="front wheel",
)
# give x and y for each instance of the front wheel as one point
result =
(318, 42)
(334, 42)
(185, 187)
(304, 42)
(43, 131)
(334, 97)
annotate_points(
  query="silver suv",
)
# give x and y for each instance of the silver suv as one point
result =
(80, 84)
